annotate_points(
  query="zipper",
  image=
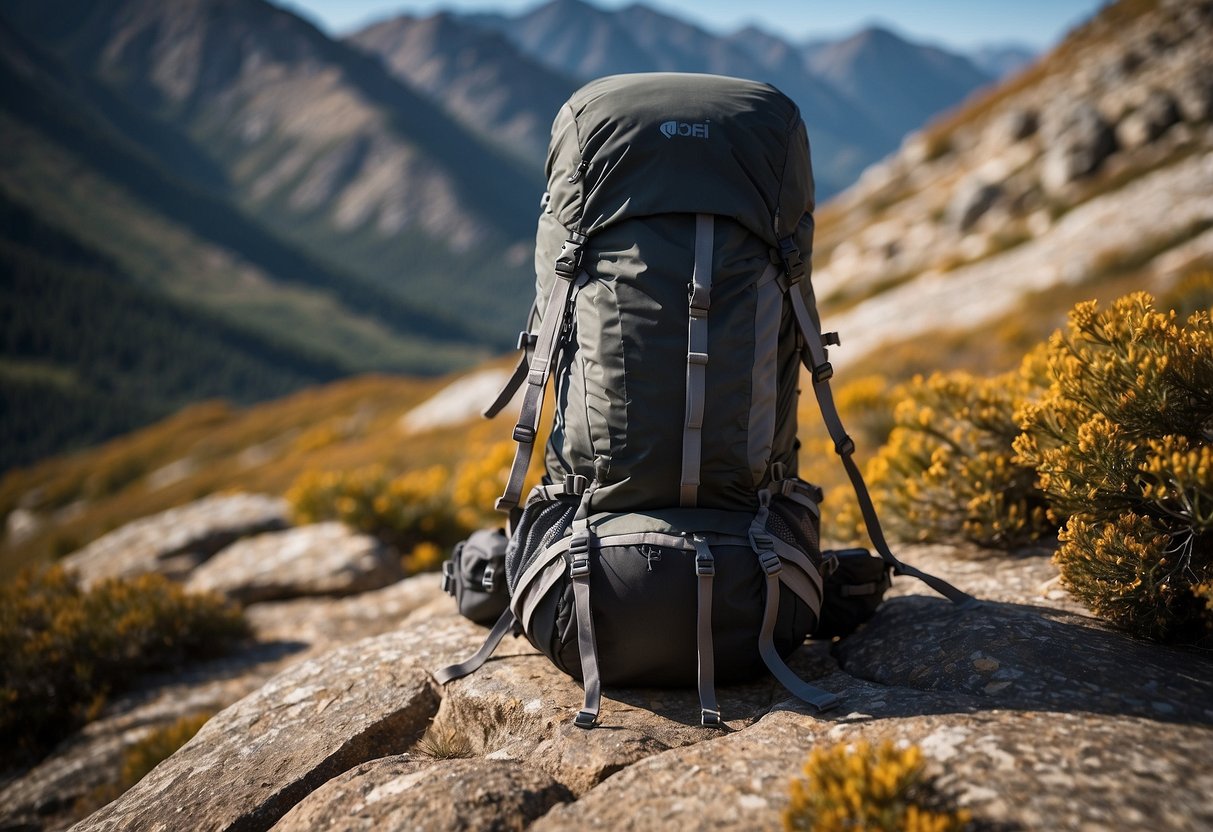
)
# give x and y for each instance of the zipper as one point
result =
(582, 167)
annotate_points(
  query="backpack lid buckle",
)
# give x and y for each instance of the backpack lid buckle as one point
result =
(568, 262)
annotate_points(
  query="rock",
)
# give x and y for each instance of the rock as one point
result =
(1015, 126)
(324, 623)
(255, 760)
(458, 402)
(397, 792)
(317, 559)
(972, 200)
(1149, 121)
(1194, 95)
(1077, 143)
(174, 542)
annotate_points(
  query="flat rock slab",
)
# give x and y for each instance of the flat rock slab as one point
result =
(1027, 657)
(254, 761)
(318, 559)
(413, 792)
(1009, 768)
(174, 542)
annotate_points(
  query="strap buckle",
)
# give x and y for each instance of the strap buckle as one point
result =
(568, 262)
(771, 563)
(448, 577)
(701, 300)
(793, 264)
(526, 340)
(709, 718)
(575, 484)
(831, 339)
(845, 446)
(579, 556)
(705, 564)
(823, 372)
(489, 579)
(524, 433)
(585, 719)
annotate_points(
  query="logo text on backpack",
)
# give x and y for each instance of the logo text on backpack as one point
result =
(670, 129)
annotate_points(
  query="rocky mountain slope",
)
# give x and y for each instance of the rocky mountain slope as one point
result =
(314, 140)
(1090, 174)
(331, 720)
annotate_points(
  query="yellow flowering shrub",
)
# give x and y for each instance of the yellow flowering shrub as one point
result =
(404, 511)
(1123, 444)
(66, 649)
(947, 472)
(479, 481)
(881, 789)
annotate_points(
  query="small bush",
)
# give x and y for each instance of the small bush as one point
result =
(947, 472)
(66, 649)
(883, 789)
(403, 511)
(480, 480)
(1123, 443)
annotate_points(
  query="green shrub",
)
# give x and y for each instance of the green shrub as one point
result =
(880, 789)
(66, 649)
(1123, 443)
(947, 473)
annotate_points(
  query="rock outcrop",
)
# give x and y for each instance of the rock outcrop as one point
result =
(1030, 713)
(176, 541)
(318, 559)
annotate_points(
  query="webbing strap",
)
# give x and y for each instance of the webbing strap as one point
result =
(554, 317)
(697, 361)
(587, 646)
(511, 386)
(821, 371)
(818, 698)
(471, 664)
(705, 569)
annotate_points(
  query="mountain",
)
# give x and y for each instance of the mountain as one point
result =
(477, 75)
(851, 122)
(1085, 176)
(318, 142)
(898, 84)
(999, 60)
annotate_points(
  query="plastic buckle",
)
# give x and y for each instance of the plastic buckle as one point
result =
(524, 433)
(489, 578)
(448, 577)
(700, 301)
(846, 447)
(823, 372)
(705, 565)
(580, 568)
(579, 555)
(831, 339)
(575, 484)
(709, 718)
(585, 719)
(771, 564)
(793, 264)
(568, 262)
(527, 339)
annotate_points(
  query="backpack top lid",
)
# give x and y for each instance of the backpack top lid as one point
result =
(669, 142)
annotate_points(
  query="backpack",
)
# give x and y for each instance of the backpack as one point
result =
(670, 542)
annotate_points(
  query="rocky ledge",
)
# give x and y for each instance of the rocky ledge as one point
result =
(1030, 713)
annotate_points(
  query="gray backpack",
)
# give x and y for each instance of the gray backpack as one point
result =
(671, 542)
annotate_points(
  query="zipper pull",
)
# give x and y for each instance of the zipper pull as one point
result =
(582, 167)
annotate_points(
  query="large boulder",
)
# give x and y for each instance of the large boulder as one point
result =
(176, 541)
(318, 559)
(1077, 140)
(1149, 121)
(255, 760)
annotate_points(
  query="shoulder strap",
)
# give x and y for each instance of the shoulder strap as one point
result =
(555, 317)
(815, 360)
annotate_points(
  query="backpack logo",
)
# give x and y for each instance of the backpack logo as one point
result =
(670, 129)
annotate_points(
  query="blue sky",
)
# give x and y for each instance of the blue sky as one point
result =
(958, 23)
